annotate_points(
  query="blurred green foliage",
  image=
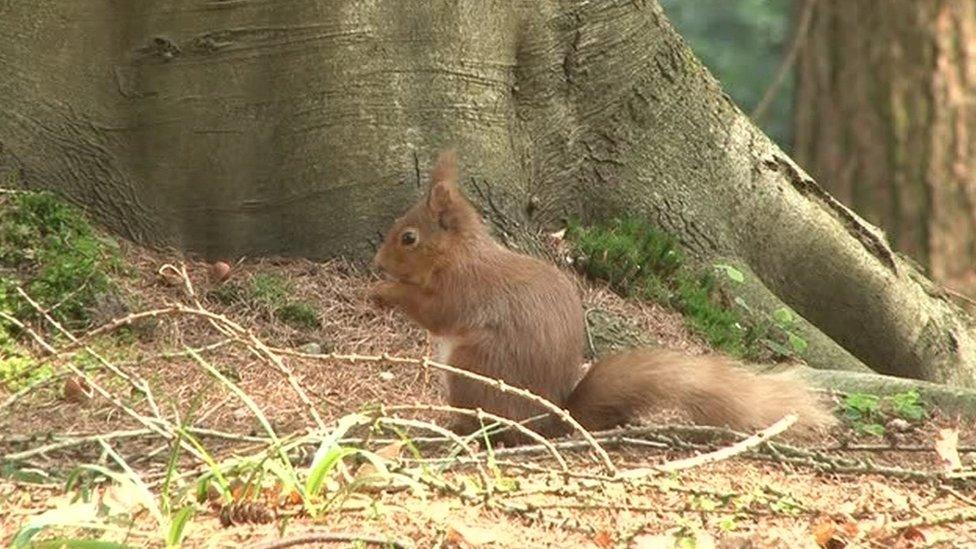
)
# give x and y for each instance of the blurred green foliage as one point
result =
(742, 42)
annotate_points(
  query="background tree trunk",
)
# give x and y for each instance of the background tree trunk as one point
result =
(291, 127)
(302, 127)
(886, 120)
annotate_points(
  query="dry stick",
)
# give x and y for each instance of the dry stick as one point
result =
(75, 442)
(256, 346)
(959, 295)
(498, 384)
(446, 433)
(921, 448)
(849, 467)
(962, 515)
(569, 445)
(314, 437)
(545, 443)
(648, 508)
(784, 67)
(571, 490)
(724, 453)
(34, 335)
(180, 354)
(775, 452)
(99, 389)
(733, 450)
(232, 329)
(148, 422)
(956, 494)
(130, 433)
(325, 537)
(782, 453)
(115, 324)
(139, 384)
(54, 353)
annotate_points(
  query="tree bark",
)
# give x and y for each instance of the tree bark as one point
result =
(302, 128)
(886, 119)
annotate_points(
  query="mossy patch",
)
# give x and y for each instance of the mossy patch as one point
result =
(640, 261)
(272, 295)
(298, 315)
(48, 249)
(269, 290)
(869, 413)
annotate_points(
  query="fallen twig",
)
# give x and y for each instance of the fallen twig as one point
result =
(956, 494)
(541, 440)
(326, 537)
(255, 345)
(498, 384)
(733, 450)
(962, 515)
(60, 442)
(138, 383)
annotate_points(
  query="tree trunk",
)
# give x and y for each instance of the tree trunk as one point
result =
(886, 119)
(236, 127)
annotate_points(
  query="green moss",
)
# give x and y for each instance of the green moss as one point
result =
(18, 370)
(271, 294)
(298, 315)
(641, 261)
(869, 413)
(269, 290)
(228, 293)
(49, 249)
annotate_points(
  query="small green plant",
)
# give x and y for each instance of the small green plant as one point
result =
(269, 290)
(729, 523)
(907, 406)
(641, 261)
(270, 293)
(638, 260)
(298, 315)
(49, 249)
(18, 369)
(105, 503)
(228, 293)
(868, 413)
(785, 321)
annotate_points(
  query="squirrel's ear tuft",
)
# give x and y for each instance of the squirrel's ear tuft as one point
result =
(441, 203)
(445, 169)
(442, 198)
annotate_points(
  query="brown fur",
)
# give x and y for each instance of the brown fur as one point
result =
(513, 317)
(710, 389)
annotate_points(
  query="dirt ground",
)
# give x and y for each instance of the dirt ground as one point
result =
(875, 496)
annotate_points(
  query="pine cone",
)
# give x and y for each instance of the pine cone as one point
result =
(245, 513)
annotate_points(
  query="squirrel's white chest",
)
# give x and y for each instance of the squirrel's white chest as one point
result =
(442, 348)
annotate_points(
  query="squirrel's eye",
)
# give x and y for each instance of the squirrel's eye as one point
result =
(409, 237)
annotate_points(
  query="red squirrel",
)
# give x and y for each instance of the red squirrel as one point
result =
(512, 317)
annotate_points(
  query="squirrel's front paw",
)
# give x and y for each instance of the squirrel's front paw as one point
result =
(380, 295)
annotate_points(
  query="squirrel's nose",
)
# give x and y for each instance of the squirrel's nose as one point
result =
(376, 264)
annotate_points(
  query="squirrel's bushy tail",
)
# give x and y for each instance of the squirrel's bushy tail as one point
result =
(712, 390)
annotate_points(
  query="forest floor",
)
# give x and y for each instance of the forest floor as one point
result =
(278, 339)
